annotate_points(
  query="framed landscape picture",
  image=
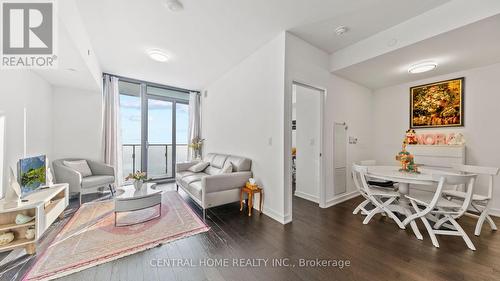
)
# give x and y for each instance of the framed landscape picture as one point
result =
(437, 104)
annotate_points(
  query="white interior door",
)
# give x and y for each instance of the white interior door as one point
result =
(307, 141)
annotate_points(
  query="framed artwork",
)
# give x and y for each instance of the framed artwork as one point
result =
(437, 104)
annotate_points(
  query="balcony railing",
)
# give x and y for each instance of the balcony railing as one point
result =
(159, 159)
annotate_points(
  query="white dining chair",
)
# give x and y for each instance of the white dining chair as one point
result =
(481, 203)
(377, 182)
(381, 198)
(433, 207)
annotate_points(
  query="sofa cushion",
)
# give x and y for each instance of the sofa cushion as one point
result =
(196, 168)
(212, 170)
(185, 181)
(209, 157)
(228, 168)
(81, 166)
(97, 181)
(240, 164)
(218, 161)
(195, 189)
(180, 175)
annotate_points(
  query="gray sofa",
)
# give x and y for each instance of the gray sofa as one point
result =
(102, 176)
(210, 187)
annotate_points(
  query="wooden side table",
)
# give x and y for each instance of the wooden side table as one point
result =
(251, 192)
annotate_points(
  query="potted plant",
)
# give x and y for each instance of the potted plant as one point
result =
(138, 177)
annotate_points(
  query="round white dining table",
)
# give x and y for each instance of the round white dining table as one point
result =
(404, 180)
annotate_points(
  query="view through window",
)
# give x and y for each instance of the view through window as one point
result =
(154, 128)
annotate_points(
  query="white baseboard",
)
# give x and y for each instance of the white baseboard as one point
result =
(341, 198)
(495, 212)
(307, 196)
(276, 216)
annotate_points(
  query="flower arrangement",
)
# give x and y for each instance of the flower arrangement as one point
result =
(196, 145)
(137, 176)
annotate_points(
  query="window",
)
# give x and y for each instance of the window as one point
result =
(154, 128)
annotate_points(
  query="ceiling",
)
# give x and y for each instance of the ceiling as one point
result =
(473, 45)
(71, 69)
(372, 18)
(207, 38)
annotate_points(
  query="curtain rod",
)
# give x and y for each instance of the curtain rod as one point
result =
(127, 79)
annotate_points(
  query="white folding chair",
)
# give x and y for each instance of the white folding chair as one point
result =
(441, 210)
(480, 203)
(374, 181)
(380, 198)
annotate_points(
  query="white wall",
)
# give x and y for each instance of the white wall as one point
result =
(19, 89)
(391, 119)
(77, 121)
(243, 115)
(345, 102)
(308, 142)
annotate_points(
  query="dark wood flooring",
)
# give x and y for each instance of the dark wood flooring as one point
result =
(377, 251)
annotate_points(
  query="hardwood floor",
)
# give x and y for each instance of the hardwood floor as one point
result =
(377, 251)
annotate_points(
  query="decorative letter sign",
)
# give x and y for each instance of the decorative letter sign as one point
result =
(435, 138)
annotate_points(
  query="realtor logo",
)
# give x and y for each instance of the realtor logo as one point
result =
(28, 34)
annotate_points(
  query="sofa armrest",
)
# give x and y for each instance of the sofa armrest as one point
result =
(67, 175)
(223, 182)
(180, 167)
(101, 169)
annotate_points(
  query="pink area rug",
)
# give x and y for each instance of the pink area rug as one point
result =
(90, 237)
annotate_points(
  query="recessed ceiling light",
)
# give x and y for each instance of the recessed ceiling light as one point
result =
(422, 67)
(173, 5)
(157, 55)
(341, 30)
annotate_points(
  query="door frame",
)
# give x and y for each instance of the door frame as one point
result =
(288, 148)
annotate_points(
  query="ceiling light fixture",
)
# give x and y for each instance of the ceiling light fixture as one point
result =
(173, 5)
(422, 67)
(157, 55)
(341, 30)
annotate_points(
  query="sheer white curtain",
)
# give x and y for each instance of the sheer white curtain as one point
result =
(112, 144)
(194, 119)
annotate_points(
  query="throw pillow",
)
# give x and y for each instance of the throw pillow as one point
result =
(227, 169)
(196, 168)
(80, 166)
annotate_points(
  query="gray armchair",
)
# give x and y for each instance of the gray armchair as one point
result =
(102, 176)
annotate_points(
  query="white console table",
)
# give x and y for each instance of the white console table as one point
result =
(46, 205)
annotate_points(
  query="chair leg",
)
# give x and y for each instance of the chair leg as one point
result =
(430, 230)
(462, 233)
(371, 214)
(492, 223)
(80, 198)
(414, 226)
(204, 214)
(440, 222)
(484, 216)
(380, 208)
(361, 206)
(111, 190)
(395, 218)
(427, 225)
(177, 186)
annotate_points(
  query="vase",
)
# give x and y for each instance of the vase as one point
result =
(138, 184)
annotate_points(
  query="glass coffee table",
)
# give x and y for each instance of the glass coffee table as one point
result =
(128, 199)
